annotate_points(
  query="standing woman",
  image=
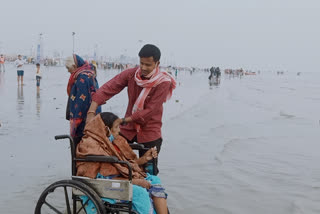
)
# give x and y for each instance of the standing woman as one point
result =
(81, 86)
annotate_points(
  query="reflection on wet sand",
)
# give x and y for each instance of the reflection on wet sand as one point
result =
(38, 103)
(20, 101)
(2, 80)
(214, 82)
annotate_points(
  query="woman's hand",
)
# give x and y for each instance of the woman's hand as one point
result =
(151, 153)
(141, 182)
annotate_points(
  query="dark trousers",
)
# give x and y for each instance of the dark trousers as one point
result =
(156, 143)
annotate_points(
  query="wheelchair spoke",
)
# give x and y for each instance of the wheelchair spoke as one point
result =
(82, 206)
(67, 200)
(73, 191)
(51, 207)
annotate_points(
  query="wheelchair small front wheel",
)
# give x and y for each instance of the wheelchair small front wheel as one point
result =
(70, 197)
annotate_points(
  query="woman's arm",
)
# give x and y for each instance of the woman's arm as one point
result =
(151, 153)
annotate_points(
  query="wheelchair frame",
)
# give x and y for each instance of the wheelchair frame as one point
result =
(94, 189)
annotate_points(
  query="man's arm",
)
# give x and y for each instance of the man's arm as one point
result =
(108, 90)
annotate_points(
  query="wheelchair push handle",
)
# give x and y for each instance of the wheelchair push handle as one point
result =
(101, 158)
(60, 137)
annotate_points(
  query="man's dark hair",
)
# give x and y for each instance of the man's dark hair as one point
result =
(150, 50)
(37, 64)
(108, 118)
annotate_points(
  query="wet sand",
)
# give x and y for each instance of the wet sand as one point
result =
(247, 146)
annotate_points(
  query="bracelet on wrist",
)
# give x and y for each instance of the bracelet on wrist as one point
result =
(91, 112)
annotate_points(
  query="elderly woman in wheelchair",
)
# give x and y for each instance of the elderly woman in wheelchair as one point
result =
(102, 138)
(107, 176)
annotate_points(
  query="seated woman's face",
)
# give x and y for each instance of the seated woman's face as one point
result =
(115, 130)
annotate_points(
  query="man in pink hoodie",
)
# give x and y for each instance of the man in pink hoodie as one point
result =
(148, 88)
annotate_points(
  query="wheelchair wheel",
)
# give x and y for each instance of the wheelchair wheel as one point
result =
(59, 198)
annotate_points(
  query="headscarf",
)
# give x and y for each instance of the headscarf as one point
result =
(156, 77)
(108, 118)
(82, 66)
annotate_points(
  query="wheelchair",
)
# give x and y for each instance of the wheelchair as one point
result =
(76, 194)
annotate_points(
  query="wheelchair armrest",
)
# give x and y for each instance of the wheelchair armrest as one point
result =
(101, 158)
(139, 146)
(106, 159)
(136, 146)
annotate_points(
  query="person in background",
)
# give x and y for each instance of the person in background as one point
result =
(20, 72)
(38, 76)
(212, 71)
(2, 60)
(148, 89)
(176, 73)
(217, 72)
(82, 84)
(95, 67)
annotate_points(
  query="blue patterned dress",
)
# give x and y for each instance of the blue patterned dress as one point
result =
(80, 101)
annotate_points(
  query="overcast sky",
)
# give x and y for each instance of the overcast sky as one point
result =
(253, 34)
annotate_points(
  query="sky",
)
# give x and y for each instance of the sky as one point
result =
(252, 34)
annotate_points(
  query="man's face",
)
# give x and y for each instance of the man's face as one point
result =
(147, 65)
(19, 57)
